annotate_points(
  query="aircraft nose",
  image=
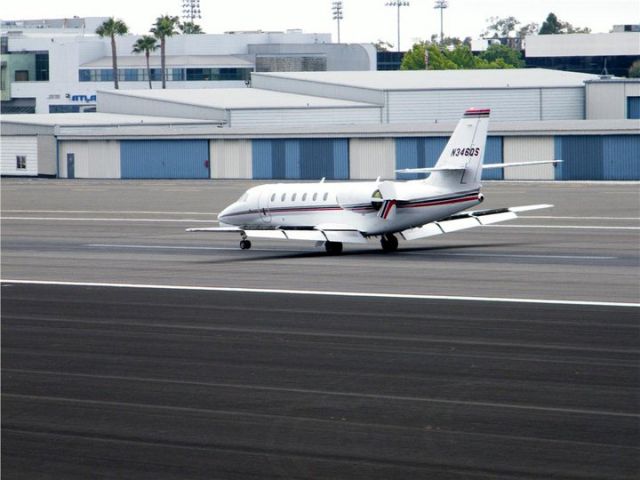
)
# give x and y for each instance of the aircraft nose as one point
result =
(226, 215)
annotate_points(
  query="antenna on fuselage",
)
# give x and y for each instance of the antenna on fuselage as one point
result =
(323, 179)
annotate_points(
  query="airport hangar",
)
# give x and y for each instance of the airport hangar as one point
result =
(338, 125)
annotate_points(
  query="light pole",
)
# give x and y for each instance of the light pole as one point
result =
(398, 4)
(441, 4)
(191, 10)
(337, 14)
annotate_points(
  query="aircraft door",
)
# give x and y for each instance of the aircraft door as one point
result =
(265, 205)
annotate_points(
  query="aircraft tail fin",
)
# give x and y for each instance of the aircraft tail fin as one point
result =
(461, 160)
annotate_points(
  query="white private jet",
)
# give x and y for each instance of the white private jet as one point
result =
(335, 213)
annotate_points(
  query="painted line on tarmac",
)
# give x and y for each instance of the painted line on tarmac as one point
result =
(100, 212)
(573, 227)
(552, 217)
(505, 255)
(77, 219)
(322, 293)
(175, 247)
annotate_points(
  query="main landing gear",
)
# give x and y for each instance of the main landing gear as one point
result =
(333, 248)
(245, 244)
(389, 243)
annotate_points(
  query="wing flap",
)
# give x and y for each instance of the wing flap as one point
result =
(344, 236)
(463, 221)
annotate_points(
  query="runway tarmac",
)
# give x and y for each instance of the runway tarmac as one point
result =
(140, 383)
(584, 249)
(535, 374)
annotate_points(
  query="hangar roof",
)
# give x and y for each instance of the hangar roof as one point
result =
(443, 79)
(96, 119)
(238, 98)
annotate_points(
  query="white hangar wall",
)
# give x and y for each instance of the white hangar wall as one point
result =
(19, 146)
(529, 149)
(91, 158)
(39, 152)
(231, 158)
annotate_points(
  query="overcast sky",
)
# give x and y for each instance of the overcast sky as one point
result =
(364, 20)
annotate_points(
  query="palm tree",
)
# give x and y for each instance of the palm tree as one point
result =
(164, 27)
(146, 44)
(189, 28)
(111, 28)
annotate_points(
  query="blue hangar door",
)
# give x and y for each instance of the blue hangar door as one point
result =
(164, 158)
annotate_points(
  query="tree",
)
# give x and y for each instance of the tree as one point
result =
(634, 69)
(507, 30)
(458, 57)
(110, 28)
(164, 27)
(552, 25)
(146, 44)
(509, 55)
(190, 28)
(382, 46)
(500, 27)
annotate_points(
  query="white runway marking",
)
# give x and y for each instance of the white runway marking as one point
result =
(578, 227)
(505, 255)
(77, 219)
(175, 247)
(551, 217)
(324, 293)
(121, 212)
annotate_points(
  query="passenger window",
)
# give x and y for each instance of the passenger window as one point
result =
(315, 196)
(304, 197)
(326, 195)
(273, 197)
(293, 199)
(283, 197)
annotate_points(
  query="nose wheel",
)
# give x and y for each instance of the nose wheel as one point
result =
(389, 243)
(245, 244)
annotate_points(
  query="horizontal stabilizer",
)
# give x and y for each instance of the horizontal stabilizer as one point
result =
(518, 164)
(455, 168)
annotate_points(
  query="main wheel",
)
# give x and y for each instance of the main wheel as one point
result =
(333, 248)
(389, 243)
(245, 244)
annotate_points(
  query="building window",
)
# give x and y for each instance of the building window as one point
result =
(42, 67)
(22, 75)
(21, 162)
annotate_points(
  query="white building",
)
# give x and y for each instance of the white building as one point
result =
(54, 66)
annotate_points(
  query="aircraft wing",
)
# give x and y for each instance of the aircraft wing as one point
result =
(462, 221)
(319, 233)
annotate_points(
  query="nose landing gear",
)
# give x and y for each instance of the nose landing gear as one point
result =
(389, 243)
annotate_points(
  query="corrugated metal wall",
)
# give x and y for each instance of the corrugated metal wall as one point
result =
(529, 149)
(370, 158)
(633, 107)
(13, 146)
(295, 117)
(93, 159)
(562, 104)
(417, 152)
(599, 157)
(47, 155)
(230, 158)
(164, 158)
(506, 105)
(301, 159)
